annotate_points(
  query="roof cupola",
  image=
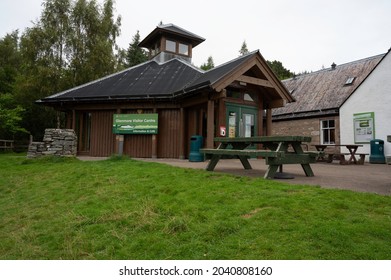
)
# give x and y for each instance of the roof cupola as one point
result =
(169, 41)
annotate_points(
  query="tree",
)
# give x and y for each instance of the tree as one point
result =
(243, 50)
(10, 117)
(72, 43)
(135, 55)
(55, 28)
(281, 72)
(11, 114)
(208, 65)
(9, 61)
(93, 41)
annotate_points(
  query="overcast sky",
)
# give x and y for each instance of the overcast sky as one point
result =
(302, 34)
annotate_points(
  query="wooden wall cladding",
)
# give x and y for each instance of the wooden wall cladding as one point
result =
(102, 138)
(169, 142)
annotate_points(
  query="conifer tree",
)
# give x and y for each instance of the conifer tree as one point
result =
(243, 50)
(208, 65)
(135, 55)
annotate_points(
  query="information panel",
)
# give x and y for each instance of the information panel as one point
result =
(135, 124)
(364, 127)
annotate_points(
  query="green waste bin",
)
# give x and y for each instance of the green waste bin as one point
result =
(196, 142)
(377, 151)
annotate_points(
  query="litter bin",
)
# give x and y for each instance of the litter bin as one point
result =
(196, 142)
(377, 151)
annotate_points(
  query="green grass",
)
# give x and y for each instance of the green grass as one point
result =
(125, 209)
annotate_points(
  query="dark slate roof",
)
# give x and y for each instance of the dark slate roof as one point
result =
(175, 78)
(172, 29)
(324, 91)
(147, 80)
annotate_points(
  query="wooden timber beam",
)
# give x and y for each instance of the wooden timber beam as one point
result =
(218, 95)
(277, 103)
(210, 125)
(255, 81)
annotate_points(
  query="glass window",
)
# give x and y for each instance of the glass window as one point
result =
(183, 49)
(327, 134)
(170, 46)
(349, 81)
(247, 97)
(233, 94)
(249, 126)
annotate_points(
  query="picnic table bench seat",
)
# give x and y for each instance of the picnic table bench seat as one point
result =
(342, 159)
(272, 158)
(246, 152)
(243, 155)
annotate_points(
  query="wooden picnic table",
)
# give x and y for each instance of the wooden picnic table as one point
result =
(275, 151)
(352, 148)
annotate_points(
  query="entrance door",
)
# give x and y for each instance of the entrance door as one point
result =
(241, 120)
(83, 130)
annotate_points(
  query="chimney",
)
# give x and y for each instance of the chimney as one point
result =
(333, 66)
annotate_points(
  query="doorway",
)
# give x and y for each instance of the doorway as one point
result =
(83, 130)
(241, 120)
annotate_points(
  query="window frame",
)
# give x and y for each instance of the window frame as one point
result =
(187, 49)
(331, 132)
(168, 41)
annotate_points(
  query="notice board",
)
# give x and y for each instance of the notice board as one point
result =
(364, 127)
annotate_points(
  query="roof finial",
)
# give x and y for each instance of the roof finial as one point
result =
(333, 66)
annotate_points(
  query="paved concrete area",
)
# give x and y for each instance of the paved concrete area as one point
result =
(374, 178)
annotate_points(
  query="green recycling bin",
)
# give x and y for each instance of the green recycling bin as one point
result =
(196, 142)
(377, 151)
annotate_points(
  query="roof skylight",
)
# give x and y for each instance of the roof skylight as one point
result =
(349, 81)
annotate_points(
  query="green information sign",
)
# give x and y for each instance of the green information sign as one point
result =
(135, 124)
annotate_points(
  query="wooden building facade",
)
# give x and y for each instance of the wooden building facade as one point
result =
(233, 99)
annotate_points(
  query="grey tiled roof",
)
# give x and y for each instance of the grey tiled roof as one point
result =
(325, 90)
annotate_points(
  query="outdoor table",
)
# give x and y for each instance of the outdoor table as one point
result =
(276, 155)
(351, 147)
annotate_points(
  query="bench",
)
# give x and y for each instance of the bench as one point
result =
(247, 152)
(243, 155)
(272, 158)
(342, 159)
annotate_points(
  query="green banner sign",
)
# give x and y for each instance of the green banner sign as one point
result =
(135, 124)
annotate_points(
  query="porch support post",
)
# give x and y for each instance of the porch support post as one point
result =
(58, 120)
(117, 139)
(154, 140)
(222, 112)
(73, 119)
(268, 122)
(210, 125)
(182, 134)
(260, 118)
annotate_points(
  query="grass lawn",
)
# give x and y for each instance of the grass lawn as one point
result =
(126, 209)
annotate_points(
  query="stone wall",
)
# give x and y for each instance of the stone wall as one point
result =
(56, 142)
